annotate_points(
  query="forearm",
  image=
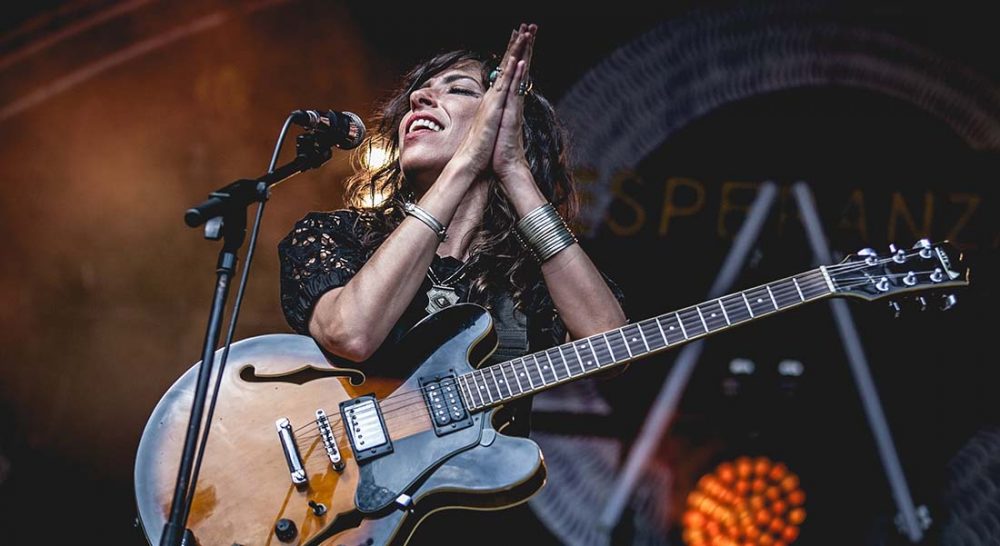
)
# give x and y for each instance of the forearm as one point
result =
(354, 320)
(581, 296)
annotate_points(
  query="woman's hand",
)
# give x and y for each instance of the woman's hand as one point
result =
(477, 149)
(509, 162)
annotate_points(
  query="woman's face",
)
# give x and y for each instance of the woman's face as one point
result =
(440, 116)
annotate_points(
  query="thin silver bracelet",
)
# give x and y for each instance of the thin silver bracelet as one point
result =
(414, 210)
(544, 233)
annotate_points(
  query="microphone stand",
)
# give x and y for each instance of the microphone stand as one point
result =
(224, 215)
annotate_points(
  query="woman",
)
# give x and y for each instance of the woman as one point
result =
(482, 156)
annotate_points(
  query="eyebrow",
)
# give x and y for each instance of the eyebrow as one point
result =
(452, 78)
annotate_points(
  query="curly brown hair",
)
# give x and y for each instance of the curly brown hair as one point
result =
(498, 261)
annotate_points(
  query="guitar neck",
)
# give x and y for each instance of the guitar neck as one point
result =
(535, 372)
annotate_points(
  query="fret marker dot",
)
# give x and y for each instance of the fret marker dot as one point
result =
(588, 362)
(481, 387)
(671, 327)
(545, 367)
(760, 300)
(635, 339)
(713, 315)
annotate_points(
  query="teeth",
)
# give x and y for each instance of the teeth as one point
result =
(425, 123)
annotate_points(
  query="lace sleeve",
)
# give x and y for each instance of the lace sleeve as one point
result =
(322, 252)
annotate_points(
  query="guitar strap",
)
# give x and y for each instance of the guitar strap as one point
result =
(511, 326)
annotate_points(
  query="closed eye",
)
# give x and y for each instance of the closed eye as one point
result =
(463, 91)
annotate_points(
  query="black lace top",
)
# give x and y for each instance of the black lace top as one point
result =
(324, 250)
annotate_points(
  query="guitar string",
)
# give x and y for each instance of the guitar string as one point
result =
(407, 399)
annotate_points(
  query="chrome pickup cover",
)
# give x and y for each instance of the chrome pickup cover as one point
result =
(365, 427)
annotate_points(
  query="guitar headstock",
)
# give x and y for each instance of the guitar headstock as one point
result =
(926, 266)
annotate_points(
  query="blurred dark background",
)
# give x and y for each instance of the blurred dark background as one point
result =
(117, 116)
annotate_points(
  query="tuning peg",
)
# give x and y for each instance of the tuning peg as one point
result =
(925, 248)
(898, 254)
(948, 302)
(869, 255)
(923, 303)
(895, 308)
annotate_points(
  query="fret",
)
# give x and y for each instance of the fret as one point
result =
(505, 380)
(491, 383)
(484, 386)
(549, 367)
(476, 390)
(760, 301)
(601, 350)
(712, 318)
(635, 344)
(652, 335)
(701, 316)
(692, 324)
(567, 360)
(513, 370)
(496, 384)
(469, 400)
(675, 331)
(526, 373)
(680, 323)
(499, 395)
(596, 361)
(798, 289)
(618, 355)
(784, 293)
(813, 285)
(643, 336)
(770, 293)
(621, 333)
(662, 333)
(538, 366)
(735, 309)
(559, 363)
(724, 314)
(747, 302)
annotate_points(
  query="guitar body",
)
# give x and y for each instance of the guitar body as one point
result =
(244, 486)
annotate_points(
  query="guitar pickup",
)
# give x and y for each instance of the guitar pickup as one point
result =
(365, 427)
(448, 413)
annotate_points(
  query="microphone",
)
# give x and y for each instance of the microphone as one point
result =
(342, 129)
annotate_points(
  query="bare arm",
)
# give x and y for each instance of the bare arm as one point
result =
(584, 301)
(352, 321)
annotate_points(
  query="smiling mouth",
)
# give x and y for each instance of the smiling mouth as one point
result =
(424, 124)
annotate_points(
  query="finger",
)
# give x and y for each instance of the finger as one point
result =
(530, 48)
(512, 95)
(510, 44)
(503, 83)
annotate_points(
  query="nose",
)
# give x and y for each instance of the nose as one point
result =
(422, 97)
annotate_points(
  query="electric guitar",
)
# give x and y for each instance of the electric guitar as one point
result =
(302, 452)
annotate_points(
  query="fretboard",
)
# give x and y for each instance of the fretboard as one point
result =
(535, 372)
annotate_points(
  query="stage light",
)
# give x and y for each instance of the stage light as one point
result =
(789, 367)
(747, 501)
(741, 366)
(374, 155)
